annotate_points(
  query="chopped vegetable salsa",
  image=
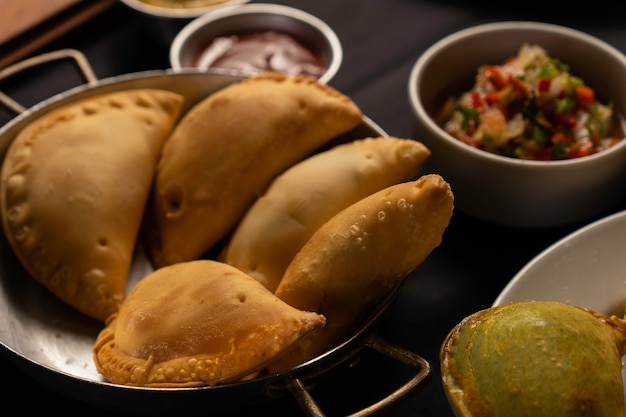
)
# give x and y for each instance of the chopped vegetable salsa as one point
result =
(531, 107)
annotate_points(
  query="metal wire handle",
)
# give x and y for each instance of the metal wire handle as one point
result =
(424, 370)
(78, 57)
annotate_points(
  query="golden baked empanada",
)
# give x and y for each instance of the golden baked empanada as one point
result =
(74, 187)
(360, 255)
(197, 323)
(226, 151)
(309, 193)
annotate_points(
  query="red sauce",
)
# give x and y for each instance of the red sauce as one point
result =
(261, 51)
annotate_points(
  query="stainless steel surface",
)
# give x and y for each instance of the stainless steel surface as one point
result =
(315, 33)
(165, 22)
(180, 12)
(42, 59)
(54, 343)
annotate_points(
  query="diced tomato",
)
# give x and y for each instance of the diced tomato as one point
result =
(477, 101)
(584, 150)
(566, 120)
(585, 94)
(543, 85)
(492, 98)
(572, 153)
(468, 140)
(580, 150)
(496, 77)
(508, 112)
(558, 137)
(519, 87)
(595, 136)
(545, 154)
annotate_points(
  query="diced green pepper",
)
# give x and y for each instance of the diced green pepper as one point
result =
(539, 134)
(469, 115)
(559, 150)
(565, 105)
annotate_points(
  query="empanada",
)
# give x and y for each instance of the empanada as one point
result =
(305, 196)
(226, 151)
(197, 323)
(74, 187)
(360, 255)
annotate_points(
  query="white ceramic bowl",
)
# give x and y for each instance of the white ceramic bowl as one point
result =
(309, 30)
(505, 190)
(165, 22)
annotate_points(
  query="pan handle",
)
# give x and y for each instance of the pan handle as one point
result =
(78, 57)
(424, 370)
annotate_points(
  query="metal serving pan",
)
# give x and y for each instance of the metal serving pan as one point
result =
(53, 343)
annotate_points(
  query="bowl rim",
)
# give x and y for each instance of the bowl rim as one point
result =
(503, 26)
(227, 12)
(179, 13)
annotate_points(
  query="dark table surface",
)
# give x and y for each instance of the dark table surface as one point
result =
(382, 39)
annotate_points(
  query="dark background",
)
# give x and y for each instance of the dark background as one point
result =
(382, 39)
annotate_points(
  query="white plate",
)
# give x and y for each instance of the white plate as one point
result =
(586, 268)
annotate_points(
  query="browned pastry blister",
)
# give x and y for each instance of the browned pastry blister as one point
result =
(74, 185)
(198, 323)
(226, 151)
(359, 255)
(309, 193)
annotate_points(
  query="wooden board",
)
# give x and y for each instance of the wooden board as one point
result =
(29, 24)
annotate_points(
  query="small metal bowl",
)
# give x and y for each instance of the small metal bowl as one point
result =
(308, 30)
(165, 22)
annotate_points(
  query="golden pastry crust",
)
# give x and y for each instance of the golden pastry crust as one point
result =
(198, 323)
(305, 196)
(74, 185)
(226, 151)
(360, 255)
